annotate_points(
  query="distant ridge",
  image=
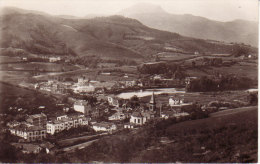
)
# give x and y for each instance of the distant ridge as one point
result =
(194, 26)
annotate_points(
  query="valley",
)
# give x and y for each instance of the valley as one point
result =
(113, 89)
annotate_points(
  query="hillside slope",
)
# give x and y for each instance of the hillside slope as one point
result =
(107, 37)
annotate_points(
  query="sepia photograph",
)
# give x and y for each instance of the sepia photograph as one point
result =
(129, 81)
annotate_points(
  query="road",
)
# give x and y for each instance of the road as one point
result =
(71, 140)
(79, 146)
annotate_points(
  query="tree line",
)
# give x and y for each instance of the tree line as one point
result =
(228, 82)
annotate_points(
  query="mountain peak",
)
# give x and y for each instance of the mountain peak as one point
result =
(141, 8)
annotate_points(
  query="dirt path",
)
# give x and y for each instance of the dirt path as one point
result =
(232, 111)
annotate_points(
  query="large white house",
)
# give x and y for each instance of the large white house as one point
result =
(82, 106)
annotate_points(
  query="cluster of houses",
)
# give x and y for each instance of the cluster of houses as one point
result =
(83, 85)
(55, 86)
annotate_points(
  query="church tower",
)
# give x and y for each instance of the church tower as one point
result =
(152, 103)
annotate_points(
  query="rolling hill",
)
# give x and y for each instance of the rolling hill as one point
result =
(108, 37)
(194, 26)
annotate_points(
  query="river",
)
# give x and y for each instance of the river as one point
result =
(148, 92)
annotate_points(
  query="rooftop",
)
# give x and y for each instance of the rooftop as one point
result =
(24, 127)
(37, 116)
(137, 114)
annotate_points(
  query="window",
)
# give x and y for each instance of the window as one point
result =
(139, 121)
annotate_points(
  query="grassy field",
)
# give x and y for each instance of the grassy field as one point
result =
(9, 91)
(116, 74)
(168, 56)
(30, 100)
(203, 98)
(14, 77)
(7, 59)
(246, 69)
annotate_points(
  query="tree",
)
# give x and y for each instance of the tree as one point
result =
(253, 98)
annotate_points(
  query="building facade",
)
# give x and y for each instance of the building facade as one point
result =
(69, 122)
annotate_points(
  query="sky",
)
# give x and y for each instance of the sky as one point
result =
(220, 10)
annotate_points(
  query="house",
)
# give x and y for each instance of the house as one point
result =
(106, 73)
(104, 126)
(189, 79)
(130, 83)
(24, 59)
(29, 133)
(13, 124)
(82, 80)
(137, 118)
(61, 116)
(117, 116)
(140, 118)
(113, 101)
(83, 107)
(196, 53)
(157, 77)
(47, 146)
(176, 101)
(28, 148)
(37, 119)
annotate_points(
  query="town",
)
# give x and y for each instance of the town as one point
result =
(108, 115)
